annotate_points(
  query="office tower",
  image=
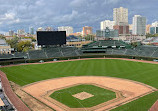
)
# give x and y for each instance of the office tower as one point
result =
(11, 33)
(120, 15)
(68, 29)
(31, 30)
(21, 32)
(107, 23)
(155, 24)
(40, 29)
(154, 28)
(48, 29)
(148, 28)
(87, 30)
(130, 28)
(139, 25)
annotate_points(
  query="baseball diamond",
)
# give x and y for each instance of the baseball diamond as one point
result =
(121, 84)
(78, 55)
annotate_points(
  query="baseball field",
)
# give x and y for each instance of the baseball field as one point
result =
(146, 74)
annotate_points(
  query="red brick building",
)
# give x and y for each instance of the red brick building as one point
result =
(123, 29)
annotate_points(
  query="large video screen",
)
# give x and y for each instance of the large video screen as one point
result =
(51, 37)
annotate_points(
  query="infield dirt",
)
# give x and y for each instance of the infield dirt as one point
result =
(131, 90)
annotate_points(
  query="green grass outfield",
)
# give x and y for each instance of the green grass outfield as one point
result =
(141, 72)
(100, 96)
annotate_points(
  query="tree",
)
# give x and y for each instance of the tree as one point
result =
(134, 44)
(13, 42)
(2, 37)
(24, 46)
(151, 35)
(89, 37)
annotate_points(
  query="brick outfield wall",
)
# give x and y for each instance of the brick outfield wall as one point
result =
(14, 99)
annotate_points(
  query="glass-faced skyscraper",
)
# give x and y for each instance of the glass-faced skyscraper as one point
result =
(139, 25)
(31, 30)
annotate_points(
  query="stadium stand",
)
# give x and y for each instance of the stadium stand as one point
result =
(37, 54)
(68, 51)
(6, 55)
(53, 52)
(108, 43)
(13, 103)
(20, 54)
(4, 103)
(109, 47)
(118, 51)
(146, 51)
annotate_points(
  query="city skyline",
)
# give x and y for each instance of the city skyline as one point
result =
(76, 13)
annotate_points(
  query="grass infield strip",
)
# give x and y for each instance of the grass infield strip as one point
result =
(100, 95)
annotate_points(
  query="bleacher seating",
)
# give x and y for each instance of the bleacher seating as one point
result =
(20, 54)
(155, 54)
(108, 43)
(68, 51)
(118, 51)
(53, 52)
(7, 106)
(146, 51)
(37, 54)
(5, 56)
(94, 47)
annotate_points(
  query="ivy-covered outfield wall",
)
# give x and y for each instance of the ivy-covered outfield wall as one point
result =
(10, 62)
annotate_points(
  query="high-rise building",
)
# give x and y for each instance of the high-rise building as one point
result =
(48, 29)
(148, 28)
(154, 28)
(21, 32)
(40, 29)
(7, 34)
(139, 25)
(123, 28)
(68, 29)
(120, 15)
(31, 30)
(87, 30)
(107, 23)
(130, 28)
(107, 33)
(155, 24)
(11, 33)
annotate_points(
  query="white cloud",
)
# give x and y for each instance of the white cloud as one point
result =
(106, 2)
(39, 2)
(66, 17)
(77, 3)
(15, 14)
(9, 16)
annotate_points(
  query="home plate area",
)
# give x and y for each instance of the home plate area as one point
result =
(83, 95)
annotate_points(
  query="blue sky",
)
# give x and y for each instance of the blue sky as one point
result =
(21, 14)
